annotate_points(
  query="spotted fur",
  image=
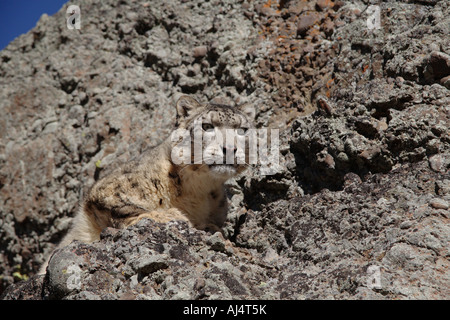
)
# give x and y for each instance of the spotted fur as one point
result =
(152, 186)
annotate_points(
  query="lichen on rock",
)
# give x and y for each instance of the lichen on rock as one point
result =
(363, 184)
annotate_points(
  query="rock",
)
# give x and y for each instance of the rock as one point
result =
(307, 21)
(439, 162)
(64, 274)
(439, 204)
(151, 264)
(325, 4)
(200, 52)
(445, 81)
(216, 242)
(354, 205)
(437, 66)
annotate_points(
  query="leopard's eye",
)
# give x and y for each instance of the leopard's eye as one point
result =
(242, 131)
(208, 127)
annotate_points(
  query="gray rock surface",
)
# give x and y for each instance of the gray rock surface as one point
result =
(359, 207)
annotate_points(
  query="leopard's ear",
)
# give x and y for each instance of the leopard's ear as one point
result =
(247, 109)
(187, 106)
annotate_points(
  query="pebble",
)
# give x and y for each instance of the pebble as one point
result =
(406, 224)
(200, 52)
(325, 4)
(436, 162)
(440, 63)
(307, 21)
(446, 82)
(437, 203)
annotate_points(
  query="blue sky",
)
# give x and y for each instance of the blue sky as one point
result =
(20, 16)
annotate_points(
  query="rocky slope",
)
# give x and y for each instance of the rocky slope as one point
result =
(359, 207)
